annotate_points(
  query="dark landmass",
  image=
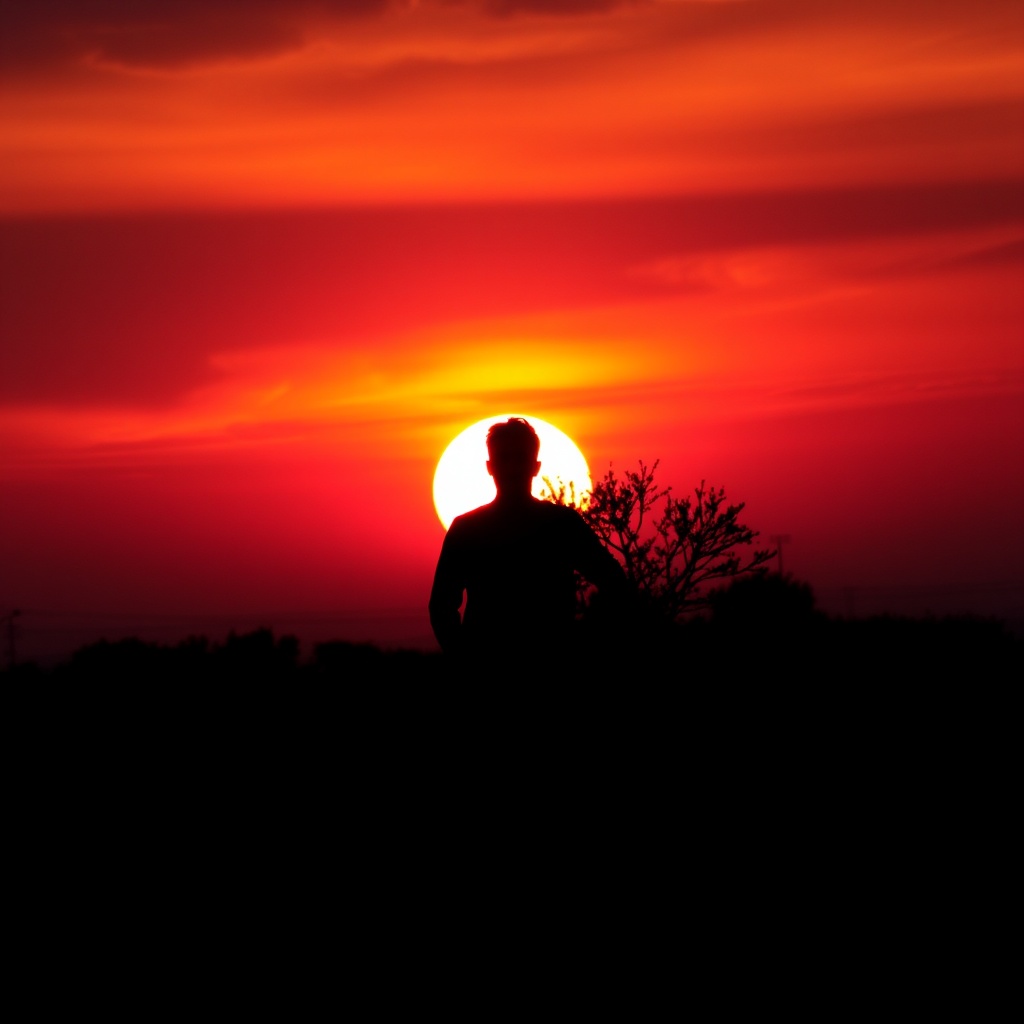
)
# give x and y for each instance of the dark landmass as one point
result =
(759, 730)
(732, 645)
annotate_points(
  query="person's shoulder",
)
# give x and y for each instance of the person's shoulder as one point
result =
(562, 515)
(566, 512)
(552, 508)
(484, 511)
(475, 516)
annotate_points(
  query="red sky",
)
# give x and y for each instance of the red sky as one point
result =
(260, 263)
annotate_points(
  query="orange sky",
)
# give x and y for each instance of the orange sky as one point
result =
(256, 273)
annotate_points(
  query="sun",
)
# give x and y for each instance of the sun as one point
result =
(461, 480)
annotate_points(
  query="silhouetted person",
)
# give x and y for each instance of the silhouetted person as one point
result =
(513, 562)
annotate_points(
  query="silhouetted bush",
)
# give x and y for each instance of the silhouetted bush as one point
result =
(256, 656)
(129, 660)
(764, 603)
(767, 629)
(672, 549)
(958, 650)
(341, 660)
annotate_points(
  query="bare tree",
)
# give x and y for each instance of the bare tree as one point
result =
(673, 549)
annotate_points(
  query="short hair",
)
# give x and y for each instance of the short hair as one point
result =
(515, 438)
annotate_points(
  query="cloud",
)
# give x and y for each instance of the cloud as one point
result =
(170, 34)
(506, 8)
(163, 33)
(131, 311)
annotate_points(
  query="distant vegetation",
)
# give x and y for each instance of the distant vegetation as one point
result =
(759, 628)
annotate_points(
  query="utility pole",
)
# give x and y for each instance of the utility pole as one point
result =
(778, 539)
(9, 619)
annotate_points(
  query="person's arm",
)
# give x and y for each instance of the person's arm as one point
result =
(615, 603)
(446, 597)
(598, 564)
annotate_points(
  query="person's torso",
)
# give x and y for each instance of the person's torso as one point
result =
(519, 567)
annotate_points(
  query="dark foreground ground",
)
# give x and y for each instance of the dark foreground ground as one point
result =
(846, 783)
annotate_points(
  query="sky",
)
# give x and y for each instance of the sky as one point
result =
(260, 262)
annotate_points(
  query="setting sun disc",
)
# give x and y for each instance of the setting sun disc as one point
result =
(461, 480)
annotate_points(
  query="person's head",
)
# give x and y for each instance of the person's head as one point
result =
(512, 449)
